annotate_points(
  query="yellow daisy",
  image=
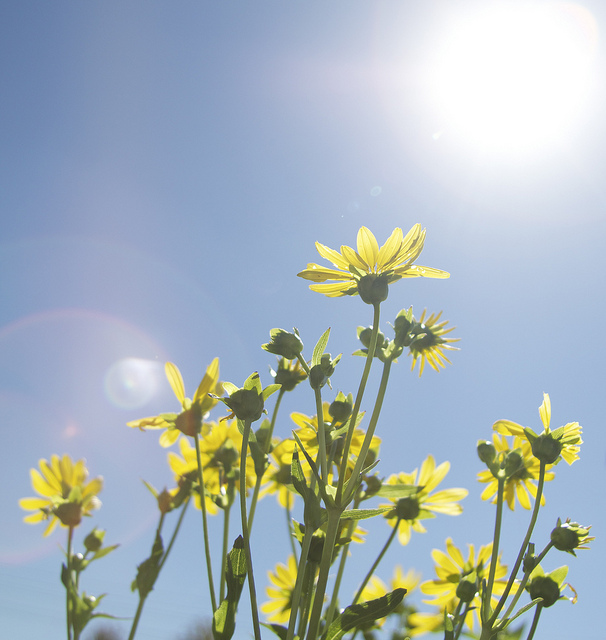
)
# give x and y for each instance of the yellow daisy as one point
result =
(521, 484)
(190, 419)
(551, 445)
(283, 578)
(429, 343)
(370, 268)
(66, 496)
(408, 512)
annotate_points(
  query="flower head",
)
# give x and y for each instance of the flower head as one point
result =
(428, 343)
(283, 578)
(570, 536)
(458, 578)
(551, 445)
(521, 483)
(421, 503)
(369, 270)
(549, 586)
(66, 496)
(189, 421)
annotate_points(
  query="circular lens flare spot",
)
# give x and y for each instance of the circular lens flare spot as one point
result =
(131, 383)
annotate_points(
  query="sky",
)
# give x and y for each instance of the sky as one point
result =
(165, 171)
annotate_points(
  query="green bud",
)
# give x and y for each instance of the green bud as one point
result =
(365, 336)
(530, 561)
(320, 373)
(486, 451)
(373, 288)
(189, 421)
(408, 508)
(467, 588)
(546, 448)
(565, 538)
(285, 344)
(246, 404)
(288, 374)
(78, 562)
(341, 407)
(94, 540)
(546, 588)
(402, 327)
(514, 463)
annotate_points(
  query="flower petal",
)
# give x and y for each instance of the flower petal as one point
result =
(545, 411)
(332, 256)
(176, 381)
(368, 247)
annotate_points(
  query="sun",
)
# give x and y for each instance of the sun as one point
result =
(514, 77)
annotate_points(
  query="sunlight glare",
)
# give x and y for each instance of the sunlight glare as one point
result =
(515, 78)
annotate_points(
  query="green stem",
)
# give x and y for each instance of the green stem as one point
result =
(461, 621)
(298, 588)
(332, 530)
(356, 409)
(487, 594)
(535, 621)
(392, 535)
(321, 435)
(516, 567)
(245, 532)
(68, 587)
(308, 594)
(174, 536)
(225, 551)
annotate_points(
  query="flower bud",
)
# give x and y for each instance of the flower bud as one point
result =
(570, 536)
(373, 288)
(365, 336)
(408, 508)
(402, 327)
(288, 374)
(546, 588)
(513, 463)
(530, 562)
(189, 421)
(546, 448)
(94, 540)
(341, 407)
(165, 501)
(246, 404)
(285, 344)
(467, 588)
(70, 513)
(486, 451)
(78, 562)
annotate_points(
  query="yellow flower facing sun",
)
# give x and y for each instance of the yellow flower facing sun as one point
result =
(189, 421)
(371, 268)
(522, 484)
(408, 512)
(65, 494)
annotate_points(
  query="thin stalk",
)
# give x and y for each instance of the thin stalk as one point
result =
(68, 590)
(321, 435)
(332, 530)
(209, 567)
(298, 588)
(224, 552)
(245, 532)
(462, 617)
(174, 536)
(516, 567)
(308, 595)
(289, 528)
(392, 535)
(535, 621)
(487, 595)
(356, 409)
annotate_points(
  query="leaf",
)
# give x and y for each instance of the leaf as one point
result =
(397, 491)
(320, 347)
(148, 570)
(363, 514)
(357, 615)
(224, 618)
(278, 629)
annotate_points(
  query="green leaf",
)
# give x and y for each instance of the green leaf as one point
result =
(313, 514)
(364, 514)
(397, 491)
(224, 618)
(320, 347)
(358, 615)
(279, 630)
(147, 571)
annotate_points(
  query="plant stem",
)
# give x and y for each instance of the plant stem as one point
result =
(321, 435)
(356, 409)
(487, 594)
(297, 590)
(535, 621)
(245, 532)
(224, 553)
(209, 568)
(68, 586)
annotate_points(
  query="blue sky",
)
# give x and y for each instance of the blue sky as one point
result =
(166, 170)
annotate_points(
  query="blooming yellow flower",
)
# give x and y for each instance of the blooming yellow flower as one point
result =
(66, 496)
(429, 344)
(394, 260)
(283, 578)
(190, 419)
(277, 478)
(452, 570)
(551, 445)
(408, 512)
(521, 484)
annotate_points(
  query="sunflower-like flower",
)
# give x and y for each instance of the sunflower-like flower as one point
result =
(369, 270)
(66, 496)
(460, 579)
(282, 579)
(521, 483)
(428, 343)
(421, 503)
(189, 421)
(400, 580)
(549, 446)
(220, 450)
(277, 478)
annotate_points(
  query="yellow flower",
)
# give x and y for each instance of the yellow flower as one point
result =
(220, 449)
(408, 512)
(370, 269)
(277, 477)
(549, 446)
(521, 484)
(429, 343)
(454, 572)
(283, 578)
(66, 496)
(190, 419)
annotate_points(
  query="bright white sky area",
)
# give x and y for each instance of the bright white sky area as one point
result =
(166, 170)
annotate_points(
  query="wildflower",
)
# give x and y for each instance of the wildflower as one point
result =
(428, 342)
(369, 270)
(521, 483)
(66, 496)
(548, 446)
(421, 504)
(277, 476)
(549, 586)
(189, 421)
(248, 403)
(283, 578)
(570, 536)
(289, 374)
(457, 577)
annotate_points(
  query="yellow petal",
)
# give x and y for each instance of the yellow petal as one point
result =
(169, 437)
(317, 273)
(333, 256)
(417, 271)
(354, 259)
(454, 553)
(389, 250)
(176, 381)
(209, 381)
(33, 504)
(508, 428)
(41, 486)
(368, 247)
(336, 289)
(545, 411)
